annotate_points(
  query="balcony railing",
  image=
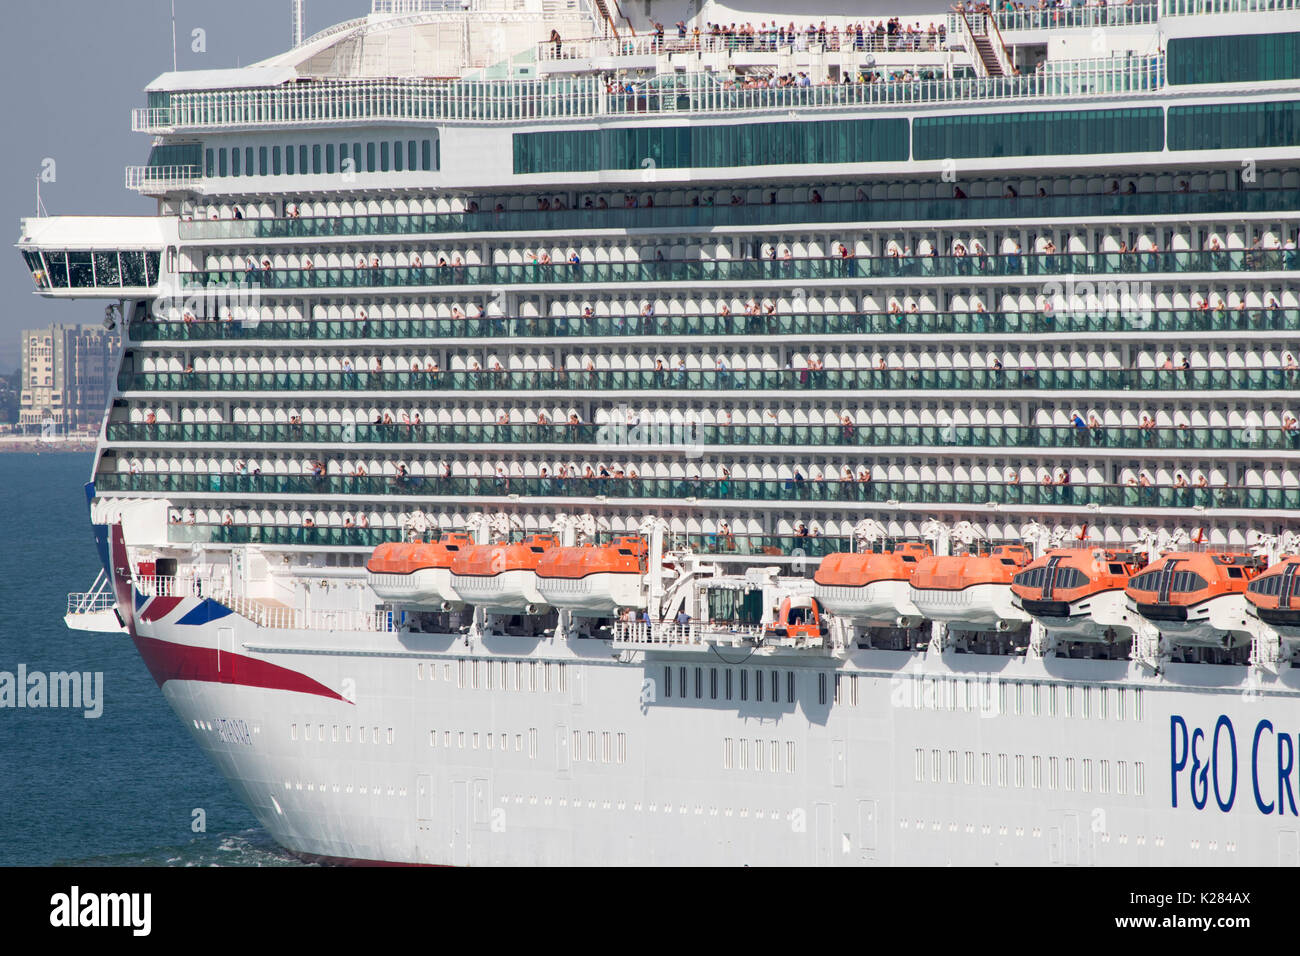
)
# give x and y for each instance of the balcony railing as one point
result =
(350, 102)
(1018, 265)
(736, 379)
(773, 546)
(666, 437)
(1093, 318)
(1073, 16)
(1183, 8)
(783, 214)
(787, 490)
(262, 612)
(162, 179)
(775, 43)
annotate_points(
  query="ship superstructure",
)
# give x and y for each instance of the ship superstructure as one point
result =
(547, 348)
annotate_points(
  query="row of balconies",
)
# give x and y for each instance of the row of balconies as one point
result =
(1056, 198)
(568, 267)
(1140, 491)
(1151, 441)
(1223, 313)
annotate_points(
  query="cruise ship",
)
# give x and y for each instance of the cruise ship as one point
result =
(562, 433)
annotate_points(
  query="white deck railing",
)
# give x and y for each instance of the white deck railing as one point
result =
(156, 179)
(265, 613)
(663, 634)
(495, 101)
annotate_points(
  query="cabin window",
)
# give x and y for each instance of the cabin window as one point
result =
(821, 688)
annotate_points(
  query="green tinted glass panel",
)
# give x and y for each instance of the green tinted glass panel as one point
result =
(676, 147)
(1234, 59)
(1054, 133)
(1234, 125)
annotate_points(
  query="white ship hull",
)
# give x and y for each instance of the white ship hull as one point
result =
(598, 595)
(938, 759)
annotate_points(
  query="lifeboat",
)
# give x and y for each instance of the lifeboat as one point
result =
(417, 573)
(1197, 597)
(970, 591)
(594, 580)
(798, 622)
(871, 588)
(502, 578)
(1274, 597)
(1077, 594)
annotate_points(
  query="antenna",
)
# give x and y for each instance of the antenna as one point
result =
(173, 36)
(295, 19)
(40, 206)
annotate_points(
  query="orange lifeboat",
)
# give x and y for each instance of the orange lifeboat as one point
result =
(594, 580)
(971, 591)
(871, 588)
(416, 573)
(502, 578)
(1197, 597)
(798, 623)
(1274, 596)
(1077, 594)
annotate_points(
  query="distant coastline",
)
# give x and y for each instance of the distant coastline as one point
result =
(29, 443)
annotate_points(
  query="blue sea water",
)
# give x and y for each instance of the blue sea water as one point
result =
(119, 790)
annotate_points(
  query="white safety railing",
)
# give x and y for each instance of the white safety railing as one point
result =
(644, 45)
(1071, 16)
(264, 613)
(663, 634)
(100, 597)
(157, 179)
(1185, 8)
(576, 97)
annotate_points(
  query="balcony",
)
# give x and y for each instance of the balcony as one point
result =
(1158, 440)
(888, 267)
(353, 102)
(159, 180)
(1012, 379)
(1058, 208)
(1079, 497)
(1137, 319)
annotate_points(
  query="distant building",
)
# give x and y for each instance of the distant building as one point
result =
(65, 376)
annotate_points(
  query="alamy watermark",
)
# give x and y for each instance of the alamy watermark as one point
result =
(658, 431)
(75, 690)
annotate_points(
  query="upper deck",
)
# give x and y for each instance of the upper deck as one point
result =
(816, 63)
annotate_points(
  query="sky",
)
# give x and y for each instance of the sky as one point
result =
(72, 70)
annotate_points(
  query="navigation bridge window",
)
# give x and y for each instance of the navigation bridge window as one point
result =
(93, 270)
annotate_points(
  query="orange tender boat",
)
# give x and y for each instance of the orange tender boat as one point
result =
(1274, 596)
(1078, 593)
(1197, 597)
(502, 578)
(594, 580)
(871, 588)
(417, 573)
(971, 591)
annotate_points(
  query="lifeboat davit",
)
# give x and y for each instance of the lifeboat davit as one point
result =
(1197, 597)
(417, 573)
(1077, 594)
(871, 588)
(502, 578)
(1274, 596)
(594, 580)
(971, 591)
